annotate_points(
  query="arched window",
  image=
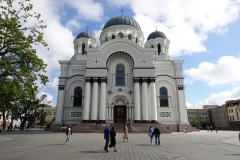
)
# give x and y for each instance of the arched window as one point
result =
(159, 49)
(106, 39)
(120, 34)
(163, 92)
(120, 75)
(90, 46)
(152, 46)
(113, 36)
(136, 40)
(129, 37)
(83, 48)
(77, 99)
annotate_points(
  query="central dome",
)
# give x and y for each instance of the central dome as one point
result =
(122, 20)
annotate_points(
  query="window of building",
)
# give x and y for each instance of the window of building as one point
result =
(159, 49)
(163, 92)
(120, 74)
(83, 48)
(106, 39)
(113, 36)
(136, 40)
(90, 46)
(120, 34)
(77, 99)
(129, 37)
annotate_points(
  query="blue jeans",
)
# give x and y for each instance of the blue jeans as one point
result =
(106, 144)
(157, 139)
(151, 137)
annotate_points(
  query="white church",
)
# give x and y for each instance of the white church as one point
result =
(124, 79)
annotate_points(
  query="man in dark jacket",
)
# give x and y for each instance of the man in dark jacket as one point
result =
(106, 136)
(156, 133)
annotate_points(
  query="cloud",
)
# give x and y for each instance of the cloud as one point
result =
(186, 23)
(220, 98)
(73, 24)
(223, 72)
(48, 99)
(86, 9)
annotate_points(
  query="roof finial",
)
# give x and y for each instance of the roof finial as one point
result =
(87, 28)
(122, 11)
(156, 28)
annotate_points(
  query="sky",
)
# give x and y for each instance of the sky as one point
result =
(203, 33)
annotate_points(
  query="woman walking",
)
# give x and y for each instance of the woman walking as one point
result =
(150, 134)
(125, 134)
(68, 133)
(113, 139)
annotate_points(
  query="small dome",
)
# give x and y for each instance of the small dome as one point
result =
(156, 34)
(85, 34)
(122, 20)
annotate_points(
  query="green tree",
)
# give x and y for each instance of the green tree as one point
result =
(194, 122)
(18, 37)
(203, 122)
(20, 32)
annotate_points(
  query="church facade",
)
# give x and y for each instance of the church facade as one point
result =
(121, 80)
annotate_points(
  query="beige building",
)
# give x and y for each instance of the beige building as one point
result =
(198, 114)
(233, 110)
(219, 117)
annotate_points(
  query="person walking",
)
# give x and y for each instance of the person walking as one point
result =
(150, 134)
(125, 134)
(68, 134)
(211, 128)
(106, 137)
(156, 133)
(113, 139)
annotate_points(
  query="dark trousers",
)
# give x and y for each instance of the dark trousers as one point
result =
(157, 139)
(106, 144)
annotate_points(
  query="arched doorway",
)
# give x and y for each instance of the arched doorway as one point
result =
(120, 111)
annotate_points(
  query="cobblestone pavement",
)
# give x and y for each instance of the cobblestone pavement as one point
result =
(39, 145)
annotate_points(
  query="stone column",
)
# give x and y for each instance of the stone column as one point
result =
(154, 113)
(137, 111)
(182, 104)
(145, 115)
(86, 109)
(60, 104)
(102, 113)
(94, 111)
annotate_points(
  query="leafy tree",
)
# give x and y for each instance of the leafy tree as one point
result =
(20, 67)
(18, 36)
(9, 91)
(203, 122)
(194, 122)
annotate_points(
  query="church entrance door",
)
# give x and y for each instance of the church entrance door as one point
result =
(120, 113)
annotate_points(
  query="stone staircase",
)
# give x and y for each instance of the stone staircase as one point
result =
(133, 128)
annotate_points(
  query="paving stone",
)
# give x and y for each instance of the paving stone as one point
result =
(38, 145)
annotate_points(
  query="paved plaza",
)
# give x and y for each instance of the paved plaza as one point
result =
(39, 145)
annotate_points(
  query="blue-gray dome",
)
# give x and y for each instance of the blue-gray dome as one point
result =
(156, 34)
(122, 20)
(85, 34)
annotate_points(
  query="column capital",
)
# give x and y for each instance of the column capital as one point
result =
(180, 87)
(103, 79)
(61, 87)
(152, 79)
(136, 79)
(88, 79)
(144, 79)
(95, 79)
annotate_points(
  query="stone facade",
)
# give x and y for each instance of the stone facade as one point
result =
(122, 80)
